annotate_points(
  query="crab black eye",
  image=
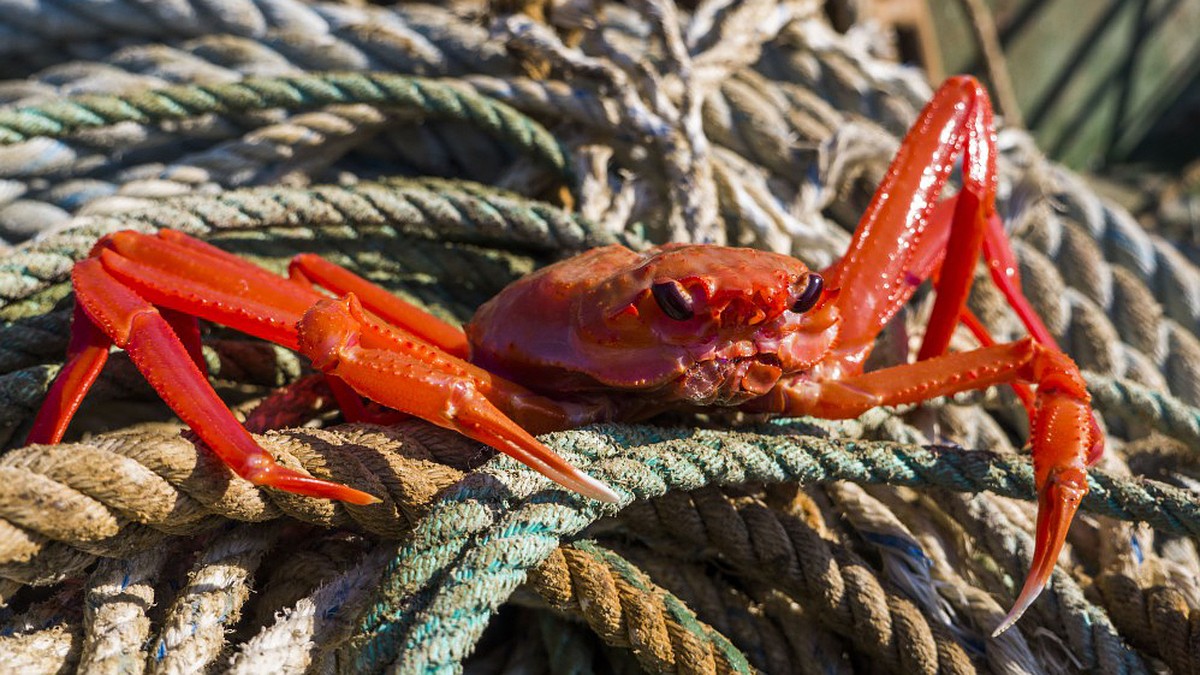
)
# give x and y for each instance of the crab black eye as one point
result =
(673, 300)
(810, 295)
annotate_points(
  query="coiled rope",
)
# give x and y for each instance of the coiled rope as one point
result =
(797, 127)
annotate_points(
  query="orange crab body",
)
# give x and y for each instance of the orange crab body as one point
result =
(615, 333)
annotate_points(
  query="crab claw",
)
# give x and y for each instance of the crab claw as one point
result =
(1066, 438)
(1058, 500)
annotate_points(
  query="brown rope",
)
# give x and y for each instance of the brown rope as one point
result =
(1155, 619)
(125, 492)
(627, 609)
(785, 552)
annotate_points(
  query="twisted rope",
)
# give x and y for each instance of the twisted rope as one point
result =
(628, 610)
(418, 95)
(447, 211)
(785, 553)
(1156, 619)
(418, 598)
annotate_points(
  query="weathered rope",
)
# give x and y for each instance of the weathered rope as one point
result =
(116, 628)
(162, 484)
(419, 95)
(416, 600)
(1156, 619)
(192, 634)
(771, 643)
(783, 552)
(628, 610)
(448, 211)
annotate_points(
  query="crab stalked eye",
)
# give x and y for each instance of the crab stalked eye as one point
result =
(673, 300)
(810, 295)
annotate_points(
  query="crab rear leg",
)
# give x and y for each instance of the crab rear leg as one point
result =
(1062, 424)
(113, 314)
(905, 236)
(330, 335)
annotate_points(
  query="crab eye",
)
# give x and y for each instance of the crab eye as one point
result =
(811, 293)
(672, 299)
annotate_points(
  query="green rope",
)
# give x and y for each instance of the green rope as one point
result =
(438, 210)
(1141, 405)
(480, 538)
(436, 99)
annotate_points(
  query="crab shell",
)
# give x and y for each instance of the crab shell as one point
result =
(592, 323)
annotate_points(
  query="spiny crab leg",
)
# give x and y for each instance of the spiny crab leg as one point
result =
(330, 335)
(905, 236)
(113, 311)
(382, 304)
(131, 276)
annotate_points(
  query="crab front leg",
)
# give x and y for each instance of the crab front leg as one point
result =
(1062, 425)
(331, 336)
(110, 313)
(905, 236)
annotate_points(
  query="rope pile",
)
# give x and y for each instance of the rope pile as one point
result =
(443, 151)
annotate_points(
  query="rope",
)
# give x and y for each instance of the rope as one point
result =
(628, 610)
(428, 97)
(414, 601)
(122, 493)
(773, 636)
(446, 211)
(193, 631)
(785, 553)
(1156, 619)
(116, 628)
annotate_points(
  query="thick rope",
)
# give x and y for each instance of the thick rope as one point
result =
(421, 584)
(193, 632)
(772, 642)
(446, 211)
(781, 551)
(1156, 619)
(160, 484)
(428, 97)
(628, 610)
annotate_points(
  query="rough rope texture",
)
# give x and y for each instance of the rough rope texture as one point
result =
(758, 125)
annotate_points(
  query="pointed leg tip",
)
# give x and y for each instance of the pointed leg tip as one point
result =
(1028, 594)
(598, 490)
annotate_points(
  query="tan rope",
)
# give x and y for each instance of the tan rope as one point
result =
(786, 553)
(124, 492)
(628, 610)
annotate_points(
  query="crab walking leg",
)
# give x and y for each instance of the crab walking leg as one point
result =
(175, 271)
(87, 352)
(379, 302)
(1062, 433)
(137, 327)
(329, 335)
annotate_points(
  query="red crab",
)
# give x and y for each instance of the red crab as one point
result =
(615, 333)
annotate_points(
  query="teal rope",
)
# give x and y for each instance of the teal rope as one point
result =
(436, 99)
(1138, 404)
(441, 210)
(482, 536)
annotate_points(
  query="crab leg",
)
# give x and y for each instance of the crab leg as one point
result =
(87, 353)
(114, 311)
(379, 302)
(1062, 425)
(330, 335)
(905, 236)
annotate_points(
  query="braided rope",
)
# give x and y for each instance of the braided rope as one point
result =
(628, 610)
(415, 597)
(775, 549)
